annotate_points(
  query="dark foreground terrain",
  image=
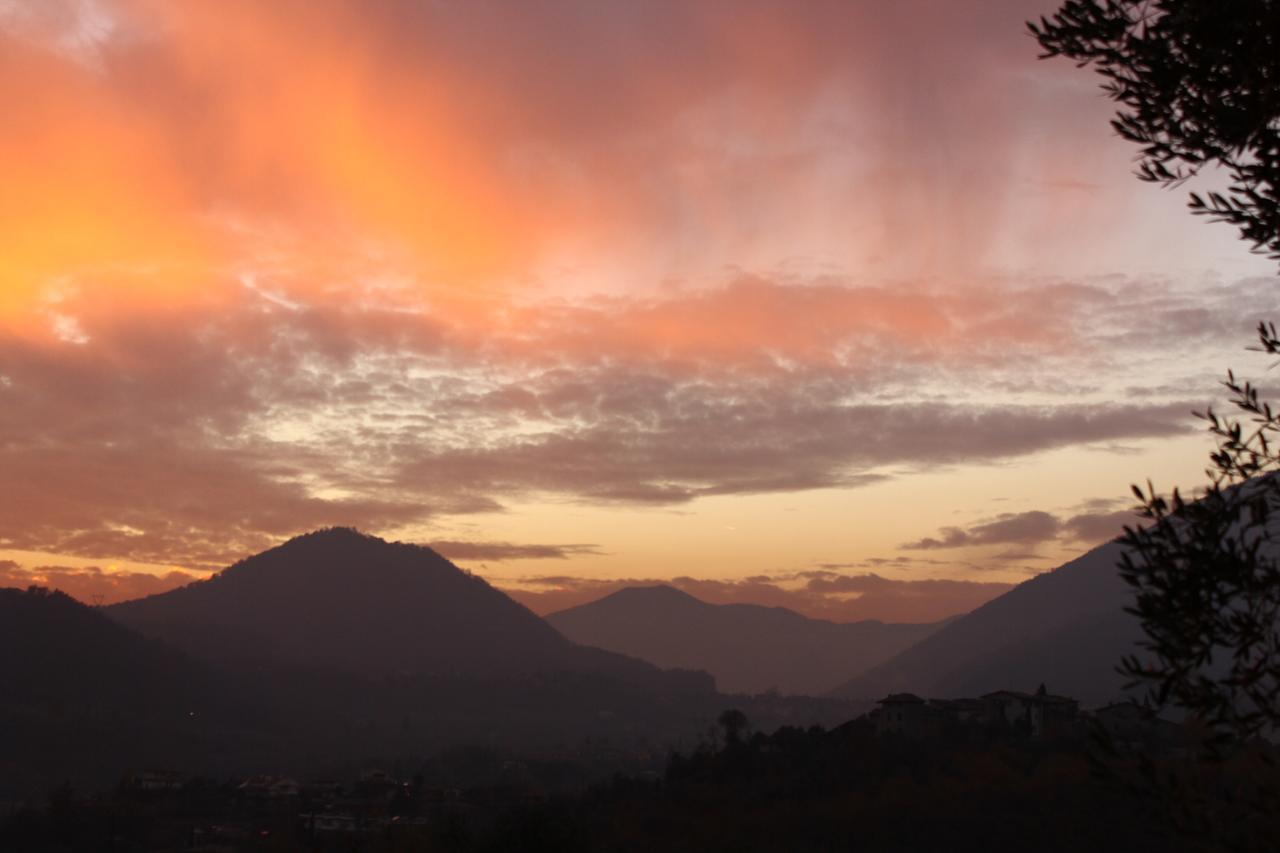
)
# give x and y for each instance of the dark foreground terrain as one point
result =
(793, 790)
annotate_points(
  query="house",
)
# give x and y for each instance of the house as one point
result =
(1010, 707)
(961, 711)
(1128, 723)
(906, 714)
(1052, 716)
(1122, 718)
(1040, 714)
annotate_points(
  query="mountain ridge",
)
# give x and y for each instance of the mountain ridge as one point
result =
(749, 648)
(1066, 627)
(339, 598)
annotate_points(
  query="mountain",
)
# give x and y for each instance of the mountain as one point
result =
(1066, 628)
(339, 601)
(84, 698)
(746, 647)
(57, 653)
(334, 650)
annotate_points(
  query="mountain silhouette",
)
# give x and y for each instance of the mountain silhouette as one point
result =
(53, 649)
(83, 698)
(1066, 628)
(339, 600)
(333, 649)
(748, 648)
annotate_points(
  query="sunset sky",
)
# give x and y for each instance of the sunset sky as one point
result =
(850, 306)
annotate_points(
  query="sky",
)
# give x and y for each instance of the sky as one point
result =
(851, 307)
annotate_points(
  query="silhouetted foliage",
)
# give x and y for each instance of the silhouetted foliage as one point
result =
(1206, 578)
(733, 723)
(1199, 85)
(1198, 82)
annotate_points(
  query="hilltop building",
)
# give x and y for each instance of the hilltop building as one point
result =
(906, 714)
(1040, 714)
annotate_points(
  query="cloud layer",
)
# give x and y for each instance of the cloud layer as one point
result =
(195, 440)
(1034, 527)
(267, 267)
(499, 551)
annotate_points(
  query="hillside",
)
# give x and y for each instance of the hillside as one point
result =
(1065, 628)
(85, 698)
(746, 647)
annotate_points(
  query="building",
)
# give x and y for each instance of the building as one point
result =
(1053, 716)
(906, 714)
(1131, 725)
(1041, 714)
(961, 711)
(1008, 707)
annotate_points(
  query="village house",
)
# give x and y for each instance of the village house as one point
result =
(1053, 716)
(1011, 707)
(961, 711)
(1130, 725)
(1122, 720)
(906, 714)
(1040, 714)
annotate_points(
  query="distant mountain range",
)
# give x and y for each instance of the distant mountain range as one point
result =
(326, 651)
(746, 647)
(1066, 628)
(337, 646)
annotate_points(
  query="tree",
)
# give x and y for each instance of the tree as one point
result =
(1206, 578)
(734, 723)
(1198, 82)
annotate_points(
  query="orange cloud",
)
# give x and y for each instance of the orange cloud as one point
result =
(205, 141)
(461, 160)
(91, 201)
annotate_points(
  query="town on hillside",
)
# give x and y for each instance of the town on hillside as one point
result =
(479, 795)
(1041, 715)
